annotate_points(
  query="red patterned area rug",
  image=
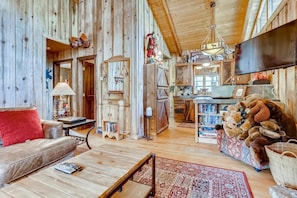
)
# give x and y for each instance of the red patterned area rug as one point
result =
(186, 125)
(178, 179)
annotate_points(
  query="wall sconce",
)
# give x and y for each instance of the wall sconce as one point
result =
(61, 89)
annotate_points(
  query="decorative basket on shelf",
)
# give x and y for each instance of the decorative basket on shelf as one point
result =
(283, 162)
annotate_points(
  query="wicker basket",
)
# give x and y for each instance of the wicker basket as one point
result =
(283, 162)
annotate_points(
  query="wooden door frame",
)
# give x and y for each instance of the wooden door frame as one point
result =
(80, 86)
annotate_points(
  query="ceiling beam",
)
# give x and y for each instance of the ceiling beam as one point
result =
(177, 43)
(162, 16)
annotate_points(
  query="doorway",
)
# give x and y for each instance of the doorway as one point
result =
(88, 88)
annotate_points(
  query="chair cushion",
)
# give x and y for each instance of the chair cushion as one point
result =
(19, 125)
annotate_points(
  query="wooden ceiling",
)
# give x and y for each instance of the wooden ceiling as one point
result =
(185, 23)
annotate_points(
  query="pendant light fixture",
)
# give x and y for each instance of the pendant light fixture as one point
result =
(213, 44)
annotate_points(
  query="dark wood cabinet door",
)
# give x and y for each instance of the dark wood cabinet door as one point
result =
(162, 115)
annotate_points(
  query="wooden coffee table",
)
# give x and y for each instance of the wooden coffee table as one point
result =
(107, 172)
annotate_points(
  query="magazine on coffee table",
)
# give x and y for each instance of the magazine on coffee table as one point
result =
(68, 167)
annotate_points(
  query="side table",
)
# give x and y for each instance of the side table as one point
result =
(67, 127)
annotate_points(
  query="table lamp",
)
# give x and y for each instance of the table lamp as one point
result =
(61, 89)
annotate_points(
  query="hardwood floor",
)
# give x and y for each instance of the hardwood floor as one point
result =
(178, 143)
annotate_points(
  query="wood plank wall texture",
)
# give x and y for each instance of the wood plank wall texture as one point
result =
(285, 79)
(113, 27)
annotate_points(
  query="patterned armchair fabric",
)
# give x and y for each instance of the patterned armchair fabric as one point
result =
(237, 149)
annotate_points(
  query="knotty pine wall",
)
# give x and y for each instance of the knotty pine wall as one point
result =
(114, 27)
(285, 80)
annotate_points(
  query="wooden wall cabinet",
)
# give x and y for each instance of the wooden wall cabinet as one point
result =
(116, 97)
(156, 96)
(183, 74)
(228, 74)
(111, 111)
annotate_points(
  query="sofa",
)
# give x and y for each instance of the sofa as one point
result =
(255, 122)
(29, 143)
(237, 149)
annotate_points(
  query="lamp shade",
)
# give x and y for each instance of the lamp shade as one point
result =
(212, 48)
(213, 44)
(62, 89)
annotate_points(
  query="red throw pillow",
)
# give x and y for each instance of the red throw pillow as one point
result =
(17, 126)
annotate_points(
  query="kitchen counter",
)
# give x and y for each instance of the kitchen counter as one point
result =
(209, 100)
(186, 97)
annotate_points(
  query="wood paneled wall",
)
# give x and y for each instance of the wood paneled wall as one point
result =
(284, 80)
(113, 27)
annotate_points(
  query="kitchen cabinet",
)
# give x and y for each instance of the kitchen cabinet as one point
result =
(156, 93)
(183, 74)
(190, 111)
(179, 109)
(184, 109)
(228, 74)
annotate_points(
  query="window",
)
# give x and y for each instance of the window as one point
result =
(263, 16)
(205, 78)
(267, 8)
(272, 5)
